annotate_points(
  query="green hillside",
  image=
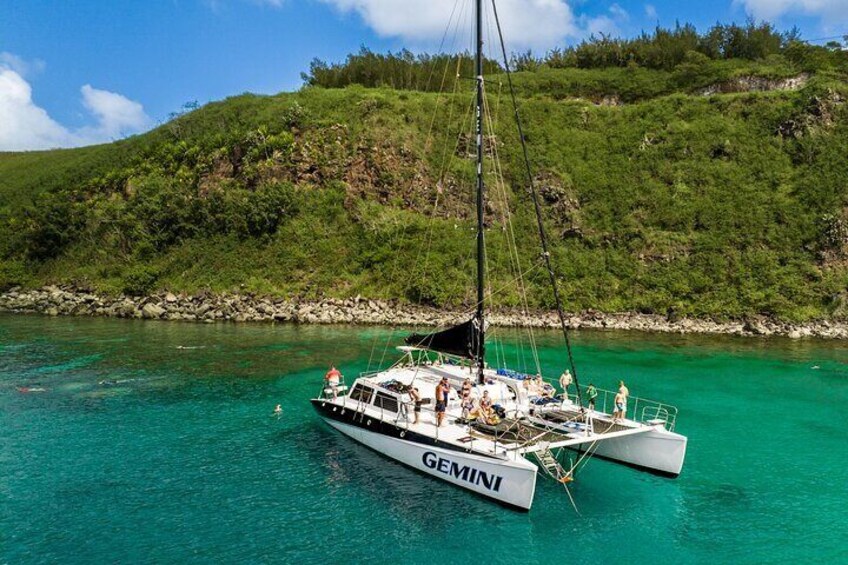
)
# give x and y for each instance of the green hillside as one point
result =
(660, 198)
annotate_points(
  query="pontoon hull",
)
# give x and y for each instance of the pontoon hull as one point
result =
(658, 451)
(512, 483)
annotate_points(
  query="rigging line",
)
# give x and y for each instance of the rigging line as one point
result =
(427, 144)
(843, 36)
(512, 242)
(512, 246)
(445, 73)
(538, 209)
(504, 287)
(441, 47)
(444, 152)
(498, 185)
(440, 187)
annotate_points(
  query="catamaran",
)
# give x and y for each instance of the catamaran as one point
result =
(441, 409)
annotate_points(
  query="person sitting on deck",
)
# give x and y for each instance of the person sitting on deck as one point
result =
(486, 413)
(535, 386)
(442, 393)
(486, 401)
(466, 388)
(332, 379)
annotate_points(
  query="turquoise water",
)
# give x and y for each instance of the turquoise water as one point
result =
(176, 456)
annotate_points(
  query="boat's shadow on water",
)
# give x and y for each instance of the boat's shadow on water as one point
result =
(358, 475)
(355, 472)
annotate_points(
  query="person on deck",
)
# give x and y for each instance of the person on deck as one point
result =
(565, 381)
(415, 396)
(466, 388)
(487, 413)
(592, 395)
(486, 401)
(540, 382)
(332, 379)
(442, 393)
(466, 401)
(620, 407)
(622, 388)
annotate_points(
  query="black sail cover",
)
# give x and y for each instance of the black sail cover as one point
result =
(461, 340)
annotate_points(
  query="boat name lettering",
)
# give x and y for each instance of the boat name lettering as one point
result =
(465, 473)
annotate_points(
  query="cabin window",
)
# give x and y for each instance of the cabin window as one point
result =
(361, 393)
(386, 402)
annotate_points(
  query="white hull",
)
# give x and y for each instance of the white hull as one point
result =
(512, 482)
(658, 451)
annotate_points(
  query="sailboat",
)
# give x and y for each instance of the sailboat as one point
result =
(441, 409)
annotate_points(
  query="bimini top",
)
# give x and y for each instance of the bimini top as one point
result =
(462, 340)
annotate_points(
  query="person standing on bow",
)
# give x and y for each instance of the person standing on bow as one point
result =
(592, 395)
(331, 380)
(565, 381)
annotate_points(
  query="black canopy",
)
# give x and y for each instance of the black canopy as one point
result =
(462, 340)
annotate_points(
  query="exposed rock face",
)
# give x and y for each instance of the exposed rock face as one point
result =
(209, 308)
(756, 84)
(818, 115)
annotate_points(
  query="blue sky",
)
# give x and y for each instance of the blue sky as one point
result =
(86, 71)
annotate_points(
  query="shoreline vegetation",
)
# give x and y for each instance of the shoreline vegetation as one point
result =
(696, 174)
(247, 308)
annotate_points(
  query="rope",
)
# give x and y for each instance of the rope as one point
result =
(512, 243)
(427, 144)
(538, 209)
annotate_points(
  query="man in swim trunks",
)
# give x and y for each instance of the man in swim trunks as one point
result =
(565, 382)
(442, 392)
(620, 406)
(332, 379)
(416, 399)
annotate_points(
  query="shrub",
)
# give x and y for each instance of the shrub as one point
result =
(140, 280)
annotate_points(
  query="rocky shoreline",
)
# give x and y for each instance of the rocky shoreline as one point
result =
(211, 308)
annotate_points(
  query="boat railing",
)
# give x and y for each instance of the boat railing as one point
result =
(644, 410)
(327, 390)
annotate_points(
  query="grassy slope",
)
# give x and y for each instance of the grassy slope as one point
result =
(673, 202)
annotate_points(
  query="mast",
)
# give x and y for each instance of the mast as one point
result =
(481, 338)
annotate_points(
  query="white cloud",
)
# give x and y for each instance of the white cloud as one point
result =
(600, 25)
(23, 125)
(618, 12)
(830, 11)
(116, 115)
(651, 12)
(19, 65)
(605, 24)
(538, 24)
(26, 126)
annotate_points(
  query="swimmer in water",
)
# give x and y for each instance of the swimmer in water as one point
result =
(278, 411)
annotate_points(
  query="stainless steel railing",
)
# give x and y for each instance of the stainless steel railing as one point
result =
(652, 411)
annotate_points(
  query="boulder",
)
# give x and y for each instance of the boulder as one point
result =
(152, 311)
